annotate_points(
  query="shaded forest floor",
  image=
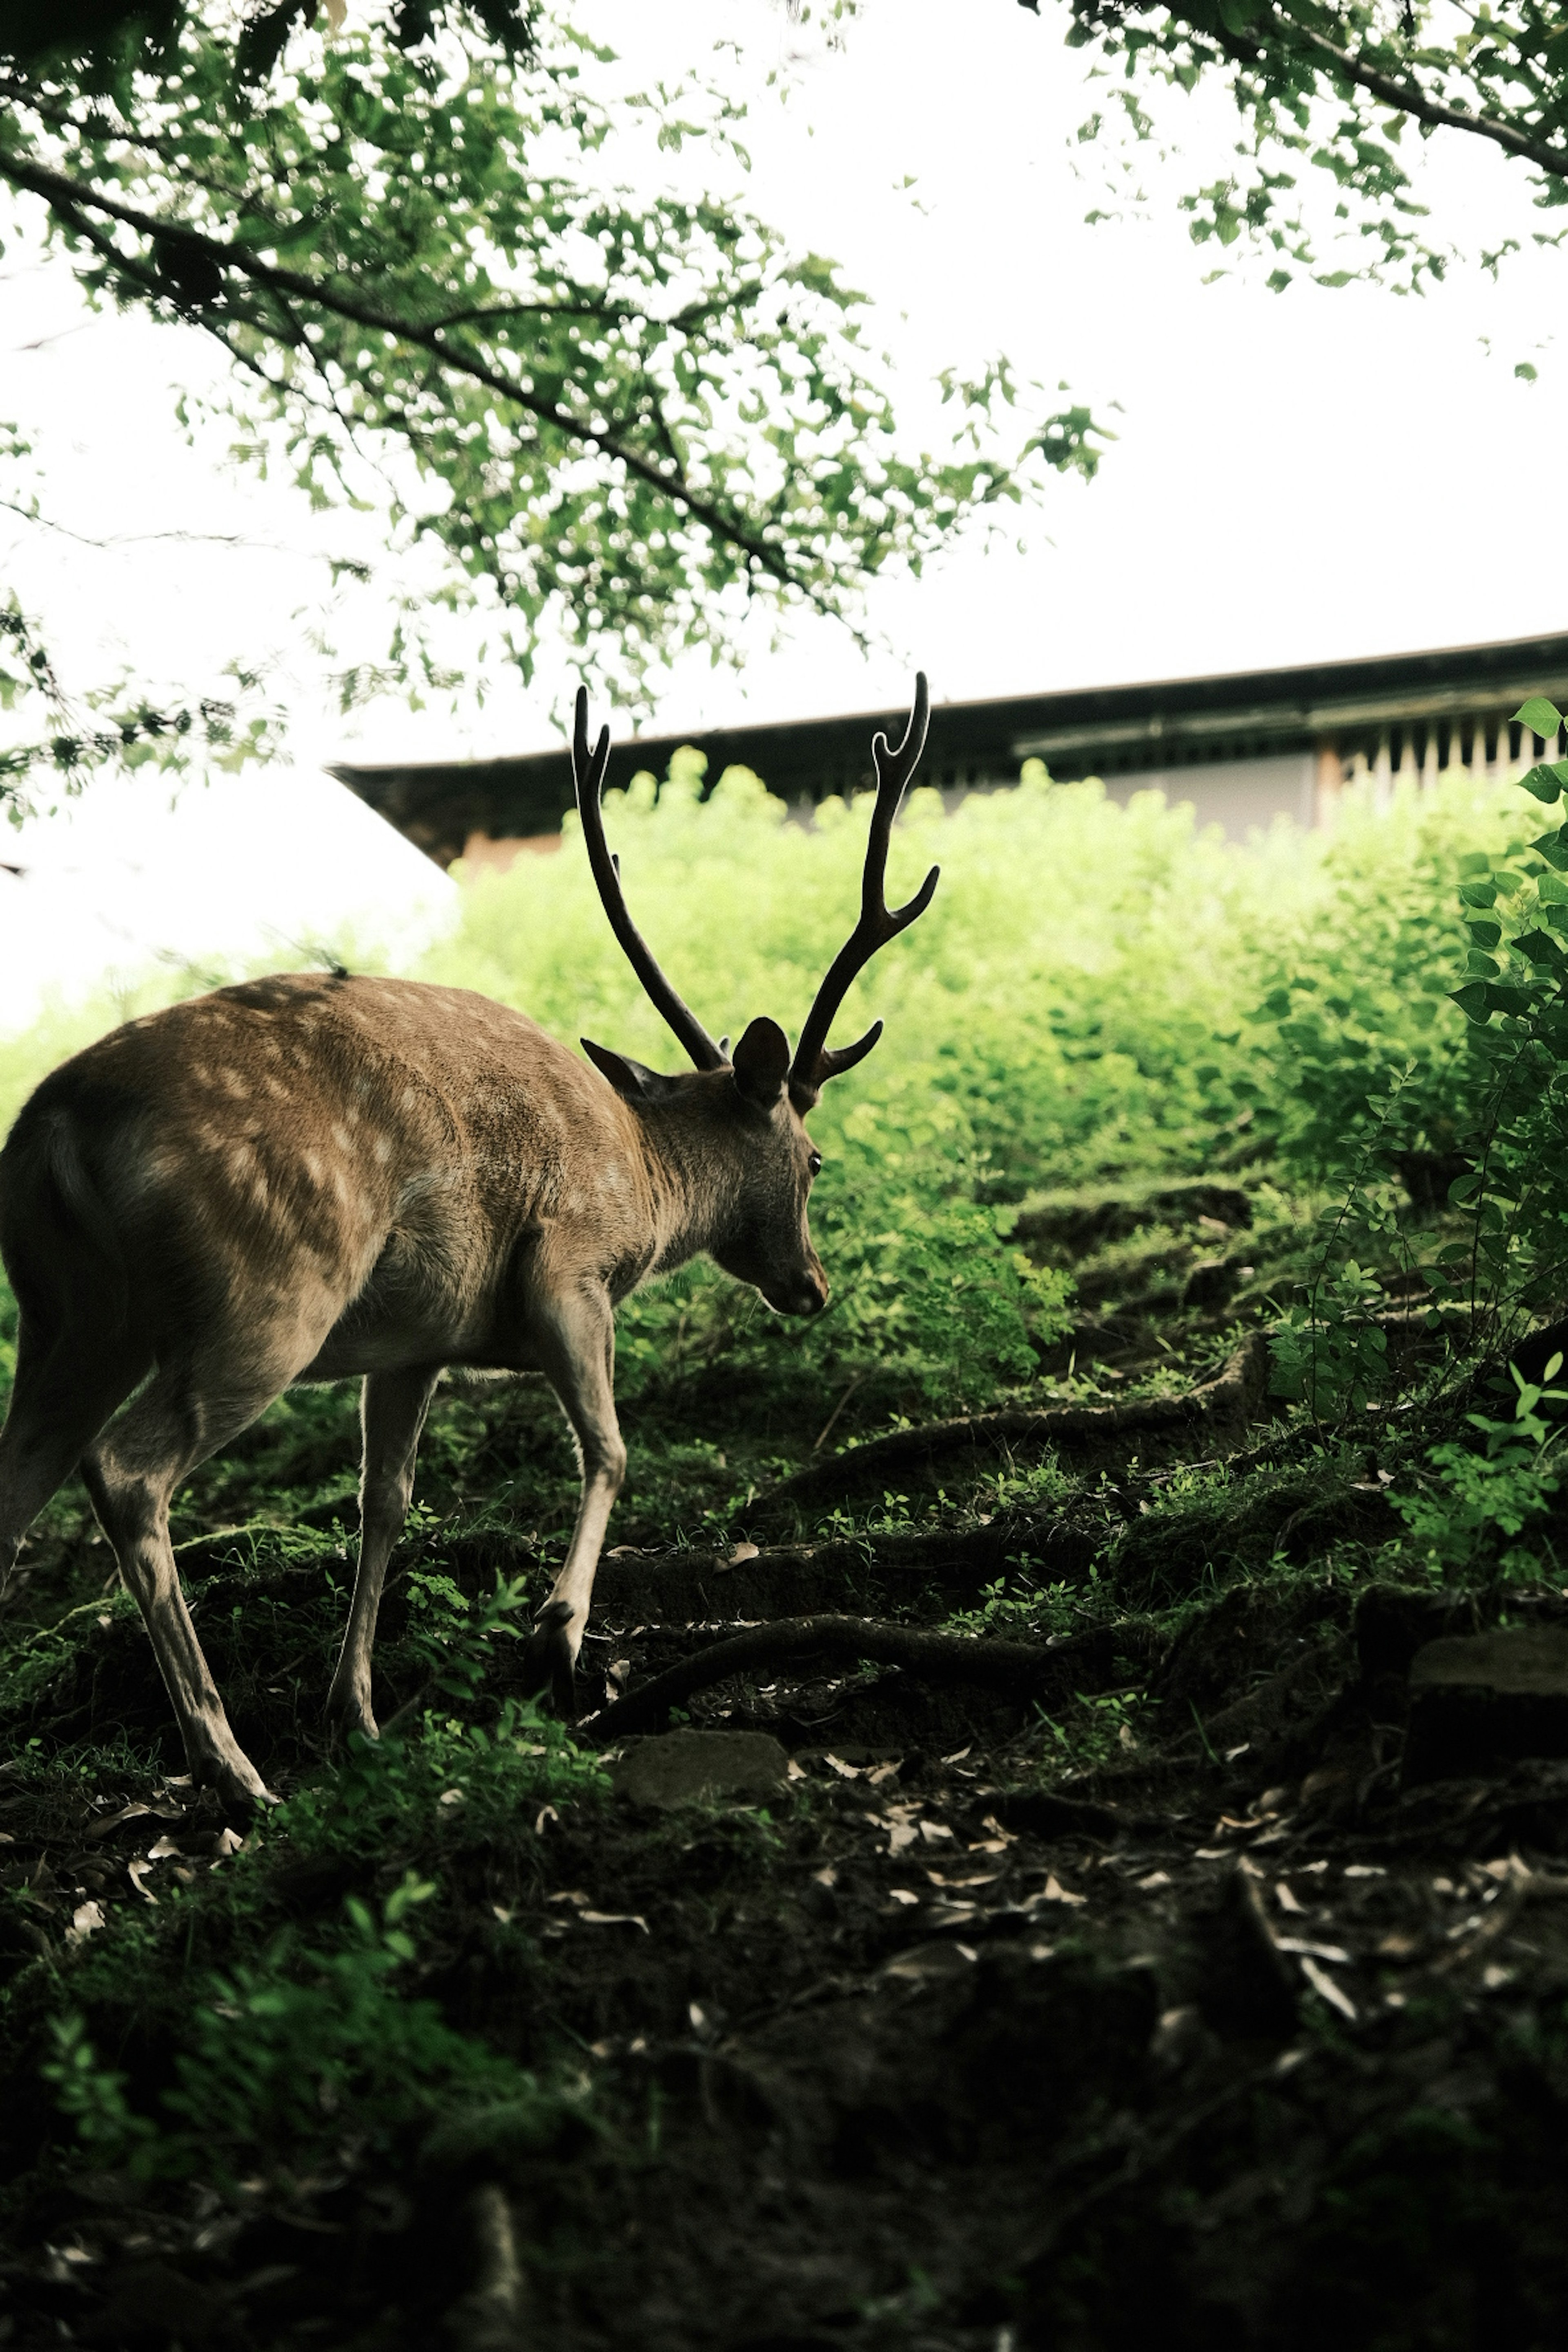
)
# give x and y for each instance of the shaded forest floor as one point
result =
(1185, 1987)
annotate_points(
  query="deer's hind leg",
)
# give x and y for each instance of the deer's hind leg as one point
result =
(68, 1383)
(184, 1413)
(393, 1411)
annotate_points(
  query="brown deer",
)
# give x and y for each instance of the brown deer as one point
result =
(307, 1177)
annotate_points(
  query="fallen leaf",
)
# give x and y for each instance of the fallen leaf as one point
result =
(1055, 1892)
(933, 1831)
(883, 1773)
(136, 1871)
(452, 1797)
(845, 1772)
(164, 1850)
(1286, 1900)
(612, 1919)
(959, 1754)
(1396, 1947)
(1323, 1984)
(979, 1878)
(1155, 1878)
(545, 1813)
(1213, 1854)
(743, 1551)
(792, 1772)
(228, 1841)
(84, 1920)
(1313, 1951)
(1365, 1870)
(989, 1822)
(826, 1877)
(502, 1913)
(571, 1894)
(901, 1894)
(900, 1834)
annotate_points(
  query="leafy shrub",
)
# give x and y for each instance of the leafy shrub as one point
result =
(283, 2058)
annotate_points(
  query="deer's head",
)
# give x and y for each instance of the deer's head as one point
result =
(739, 1118)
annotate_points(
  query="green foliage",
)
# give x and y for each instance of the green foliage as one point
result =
(635, 412)
(110, 725)
(284, 2057)
(1325, 100)
(1477, 1503)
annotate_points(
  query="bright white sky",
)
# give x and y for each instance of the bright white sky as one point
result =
(1315, 475)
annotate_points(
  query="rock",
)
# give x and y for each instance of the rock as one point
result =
(1479, 1700)
(688, 1768)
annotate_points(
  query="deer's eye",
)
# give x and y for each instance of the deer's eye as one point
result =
(814, 1162)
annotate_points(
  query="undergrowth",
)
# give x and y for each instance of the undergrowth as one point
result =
(1101, 1010)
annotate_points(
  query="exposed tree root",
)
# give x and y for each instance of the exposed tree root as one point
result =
(1225, 1404)
(1016, 1667)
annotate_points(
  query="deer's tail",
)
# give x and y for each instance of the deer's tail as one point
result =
(57, 1240)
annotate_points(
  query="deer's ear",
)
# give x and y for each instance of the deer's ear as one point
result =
(629, 1080)
(762, 1064)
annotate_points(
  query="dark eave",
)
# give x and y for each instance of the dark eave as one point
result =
(1094, 731)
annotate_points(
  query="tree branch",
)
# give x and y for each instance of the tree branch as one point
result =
(1410, 98)
(1015, 1668)
(72, 197)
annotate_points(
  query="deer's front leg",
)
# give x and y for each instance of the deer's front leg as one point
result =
(575, 1336)
(393, 1411)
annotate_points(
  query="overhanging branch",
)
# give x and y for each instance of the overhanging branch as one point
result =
(74, 197)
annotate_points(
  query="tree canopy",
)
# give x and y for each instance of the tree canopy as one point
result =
(430, 245)
(1332, 90)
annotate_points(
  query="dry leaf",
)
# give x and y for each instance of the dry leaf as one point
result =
(451, 1796)
(612, 1919)
(1287, 1901)
(1321, 1982)
(1155, 1878)
(743, 1551)
(136, 1871)
(545, 1813)
(1056, 1892)
(933, 1831)
(845, 1772)
(164, 1850)
(1313, 1951)
(902, 1894)
(84, 1920)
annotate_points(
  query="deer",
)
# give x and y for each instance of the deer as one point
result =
(316, 1176)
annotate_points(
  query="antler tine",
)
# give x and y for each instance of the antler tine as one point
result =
(815, 1060)
(588, 775)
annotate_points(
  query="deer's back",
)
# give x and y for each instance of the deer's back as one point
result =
(387, 1140)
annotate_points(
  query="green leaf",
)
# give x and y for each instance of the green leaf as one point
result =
(1472, 1000)
(1487, 935)
(1545, 782)
(1541, 718)
(1478, 894)
(1541, 948)
(1553, 847)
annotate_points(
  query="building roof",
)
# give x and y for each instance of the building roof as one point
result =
(1094, 731)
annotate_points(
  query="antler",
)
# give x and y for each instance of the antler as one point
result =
(815, 1060)
(589, 777)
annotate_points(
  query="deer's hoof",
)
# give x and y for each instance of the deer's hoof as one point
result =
(548, 1662)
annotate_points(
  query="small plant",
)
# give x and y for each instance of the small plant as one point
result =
(284, 2057)
(1479, 1498)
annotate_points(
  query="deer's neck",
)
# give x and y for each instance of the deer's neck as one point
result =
(696, 1188)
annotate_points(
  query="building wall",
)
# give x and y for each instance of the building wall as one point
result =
(1241, 796)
